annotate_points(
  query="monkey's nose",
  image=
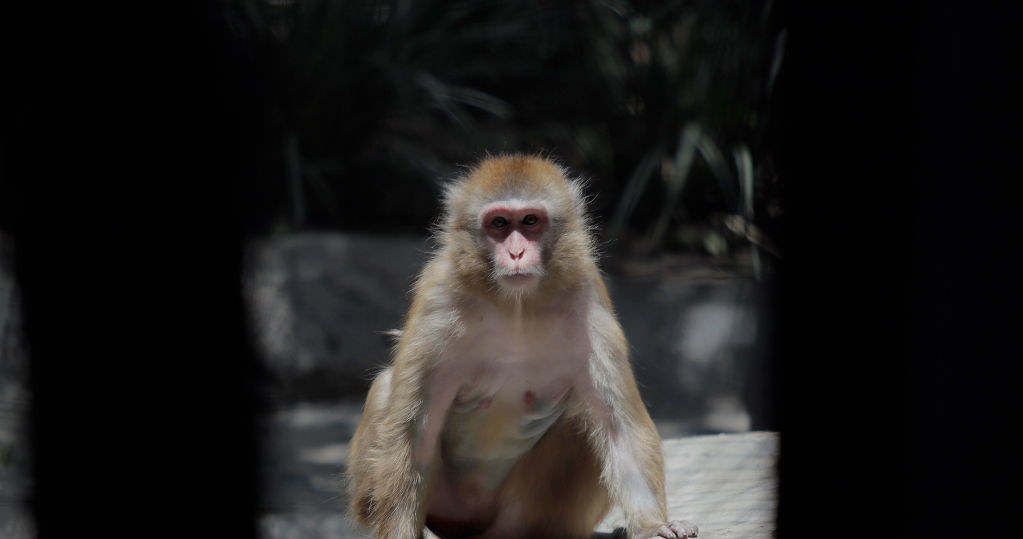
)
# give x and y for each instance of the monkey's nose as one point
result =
(515, 256)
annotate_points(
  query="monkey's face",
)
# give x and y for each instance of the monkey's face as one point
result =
(514, 233)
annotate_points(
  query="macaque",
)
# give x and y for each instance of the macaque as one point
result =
(510, 409)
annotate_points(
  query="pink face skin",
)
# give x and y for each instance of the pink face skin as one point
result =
(515, 231)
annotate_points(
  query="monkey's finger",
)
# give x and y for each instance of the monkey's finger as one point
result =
(667, 533)
(684, 528)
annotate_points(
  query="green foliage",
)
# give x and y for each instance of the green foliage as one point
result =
(376, 102)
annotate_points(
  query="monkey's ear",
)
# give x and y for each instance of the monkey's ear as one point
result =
(577, 190)
(452, 193)
(449, 190)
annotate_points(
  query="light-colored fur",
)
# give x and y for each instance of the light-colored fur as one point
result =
(604, 449)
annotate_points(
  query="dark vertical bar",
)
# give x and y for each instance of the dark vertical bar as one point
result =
(899, 308)
(837, 356)
(130, 139)
(962, 298)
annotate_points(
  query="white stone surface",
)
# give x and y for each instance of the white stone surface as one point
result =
(726, 484)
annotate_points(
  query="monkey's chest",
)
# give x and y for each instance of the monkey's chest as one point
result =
(513, 375)
(485, 434)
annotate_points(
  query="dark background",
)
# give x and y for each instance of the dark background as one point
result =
(143, 144)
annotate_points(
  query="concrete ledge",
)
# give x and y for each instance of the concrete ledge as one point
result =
(725, 483)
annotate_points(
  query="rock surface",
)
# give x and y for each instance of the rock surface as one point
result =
(724, 483)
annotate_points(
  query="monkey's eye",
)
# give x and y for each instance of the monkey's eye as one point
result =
(530, 220)
(499, 222)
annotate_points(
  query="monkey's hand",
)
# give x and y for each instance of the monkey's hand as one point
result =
(676, 529)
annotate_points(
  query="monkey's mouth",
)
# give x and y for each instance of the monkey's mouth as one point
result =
(518, 278)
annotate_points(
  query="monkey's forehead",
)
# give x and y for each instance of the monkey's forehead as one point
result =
(513, 174)
(465, 203)
(509, 177)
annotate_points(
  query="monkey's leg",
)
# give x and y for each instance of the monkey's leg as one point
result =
(555, 490)
(361, 473)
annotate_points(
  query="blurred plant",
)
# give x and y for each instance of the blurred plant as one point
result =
(357, 100)
(374, 102)
(675, 171)
(722, 61)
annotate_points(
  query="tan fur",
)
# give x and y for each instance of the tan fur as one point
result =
(558, 485)
(604, 449)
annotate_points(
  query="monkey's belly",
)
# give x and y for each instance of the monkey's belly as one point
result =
(482, 440)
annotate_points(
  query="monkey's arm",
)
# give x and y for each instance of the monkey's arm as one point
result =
(623, 435)
(405, 449)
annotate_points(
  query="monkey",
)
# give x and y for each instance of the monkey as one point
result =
(509, 408)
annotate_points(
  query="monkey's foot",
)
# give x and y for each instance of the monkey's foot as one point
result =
(676, 529)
